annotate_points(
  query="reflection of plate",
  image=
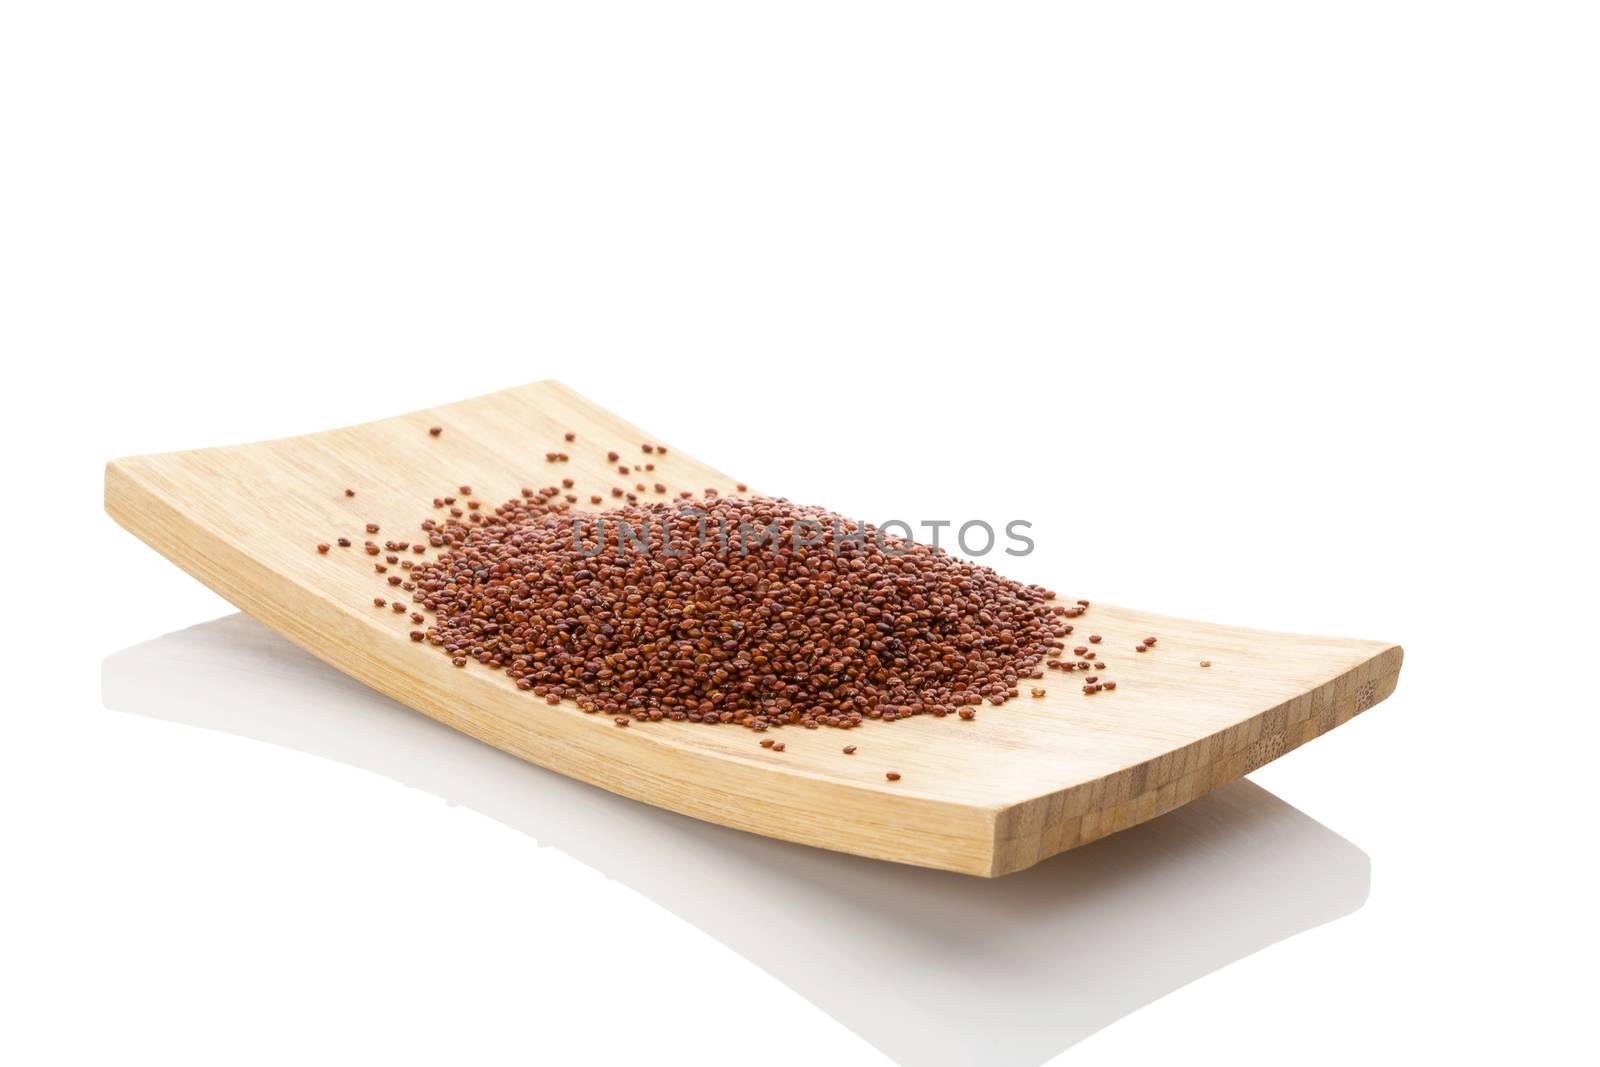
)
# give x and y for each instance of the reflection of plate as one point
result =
(932, 968)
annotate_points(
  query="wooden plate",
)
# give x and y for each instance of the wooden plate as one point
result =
(1023, 781)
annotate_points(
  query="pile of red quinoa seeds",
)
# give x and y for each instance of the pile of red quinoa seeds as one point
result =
(758, 635)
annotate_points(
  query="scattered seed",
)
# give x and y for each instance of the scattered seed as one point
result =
(436, 430)
(323, 548)
(1205, 663)
(893, 776)
(849, 750)
(570, 436)
(1037, 692)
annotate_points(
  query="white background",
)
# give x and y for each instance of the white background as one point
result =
(1275, 314)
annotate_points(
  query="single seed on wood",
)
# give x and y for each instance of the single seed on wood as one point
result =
(1149, 640)
(378, 602)
(742, 487)
(416, 635)
(323, 548)
(372, 527)
(1141, 648)
(435, 430)
(849, 750)
(1110, 686)
(570, 436)
(1094, 639)
(893, 776)
(344, 542)
(766, 742)
(620, 720)
(967, 713)
(777, 746)
(1205, 663)
(1037, 692)
(349, 492)
(648, 448)
(613, 456)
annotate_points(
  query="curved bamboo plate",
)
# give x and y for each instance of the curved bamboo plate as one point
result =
(988, 797)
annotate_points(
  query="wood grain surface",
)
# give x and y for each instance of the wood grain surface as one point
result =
(1023, 781)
